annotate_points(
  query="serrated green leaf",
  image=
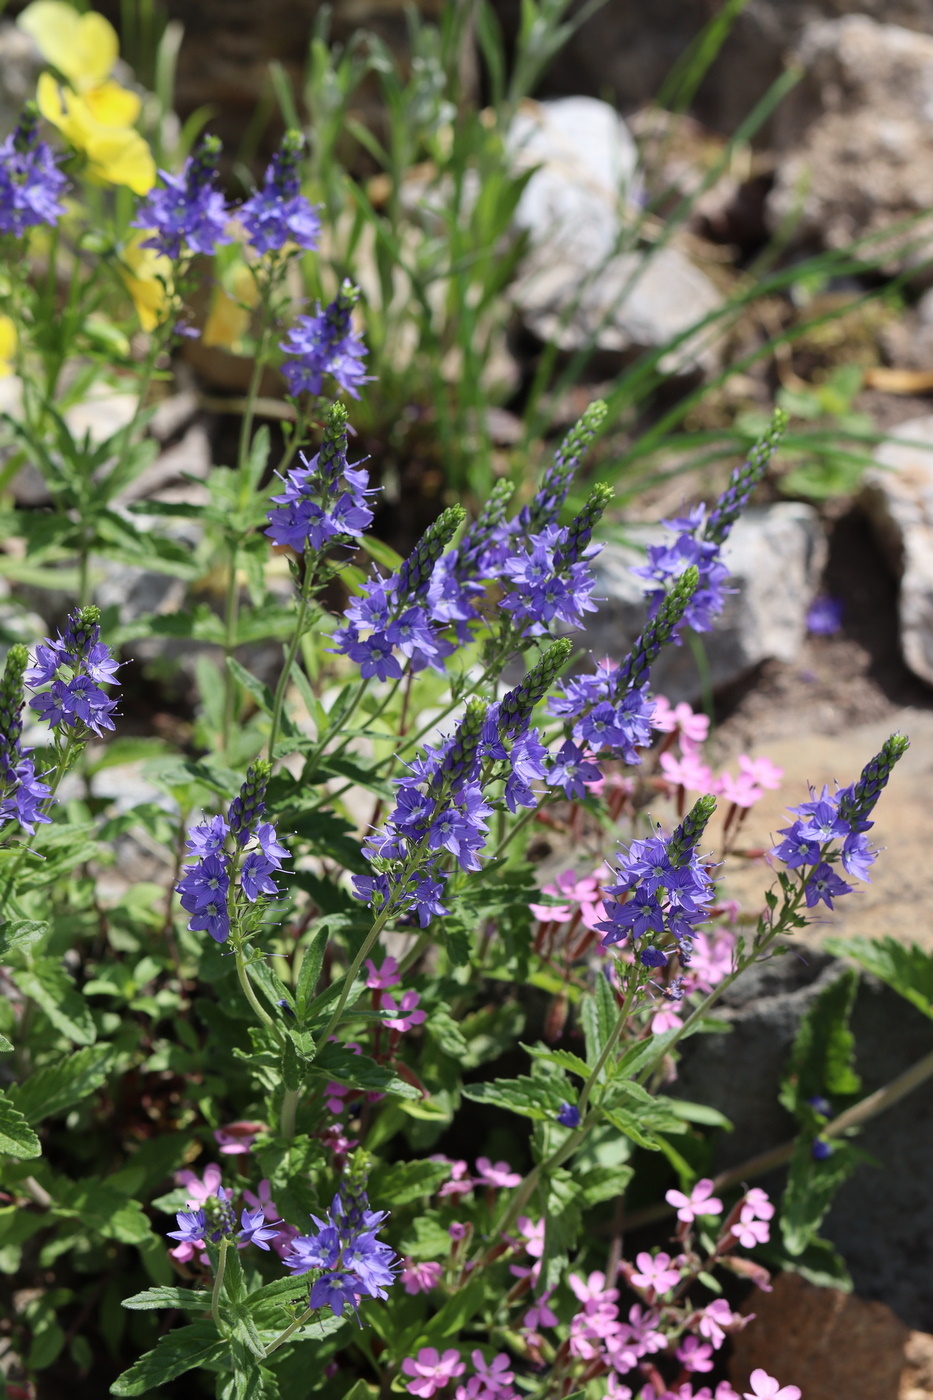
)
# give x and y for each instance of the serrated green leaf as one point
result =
(50, 987)
(404, 1182)
(906, 968)
(360, 1072)
(5, 1045)
(292, 1069)
(598, 1013)
(564, 1058)
(823, 1054)
(313, 960)
(532, 1098)
(453, 1316)
(16, 1137)
(176, 1353)
(811, 1186)
(19, 936)
(190, 1299)
(56, 1087)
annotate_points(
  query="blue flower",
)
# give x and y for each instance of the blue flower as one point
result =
(346, 1246)
(569, 1116)
(325, 344)
(75, 663)
(30, 181)
(324, 498)
(278, 213)
(188, 211)
(192, 1227)
(254, 1229)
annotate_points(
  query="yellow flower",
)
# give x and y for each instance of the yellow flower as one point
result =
(94, 113)
(83, 48)
(229, 317)
(148, 279)
(116, 153)
(7, 346)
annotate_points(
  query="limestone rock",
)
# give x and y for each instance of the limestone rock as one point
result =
(858, 136)
(897, 495)
(775, 555)
(830, 1343)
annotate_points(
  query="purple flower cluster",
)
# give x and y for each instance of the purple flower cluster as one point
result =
(206, 885)
(837, 819)
(278, 213)
(75, 666)
(188, 211)
(324, 499)
(31, 183)
(325, 344)
(604, 721)
(215, 1220)
(21, 792)
(353, 1262)
(669, 891)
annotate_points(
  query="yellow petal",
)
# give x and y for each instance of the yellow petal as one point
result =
(229, 317)
(113, 105)
(120, 156)
(49, 99)
(147, 275)
(83, 48)
(7, 346)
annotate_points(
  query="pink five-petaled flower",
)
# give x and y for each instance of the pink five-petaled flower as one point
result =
(430, 1371)
(420, 1278)
(701, 1201)
(237, 1138)
(765, 1387)
(263, 1200)
(539, 1314)
(496, 1174)
(689, 772)
(717, 1316)
(495, 1375)
(695, 1355)
(592, 1291)
(410, 1015)
(758, 1204)
(694, 728)
(655, 1272)
(741, 790)
(460, 1183)
(381, 979)
(199, 1190)
(666, 1019)
(749, 1230)
(761, 771)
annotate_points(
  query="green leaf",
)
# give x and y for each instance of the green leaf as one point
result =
(822, 1058)
(292, 1076)
(176, 1353)
(260, 692)
(604, 1183)
(538, 1099)
(57, 1086)
(563, 1058)
(822, 1265)
(16, 1137)
(598, 1014)
(453, 1316)
(697, 1113)
(19, 936)
(50, 987)
(404, 1182)
(5, 1045)
(312, 961)
(191, 1299)
(360, 1072)
(906, 968)
(811, 1186)
(426, 1239)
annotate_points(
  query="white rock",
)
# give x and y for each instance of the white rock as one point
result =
(897, 496)
(578, 198)
(775, 556)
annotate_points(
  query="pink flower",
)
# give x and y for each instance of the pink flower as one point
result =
(420, 1278)
(262, 1200)
(741, 790)
(758, 1204)
(765, 1387)
(199, 1190)
(592, 1292)
(724, 1391)
(655, 1272)
(237, 1138)
(717, 1316)
(750, 1231)
(701, 1201)
(761, 771)
(460, 1183)
(643, 1331)
(456, 1231)
(688, 772)
(695, 1355)
(532, 1232)
(430, 1371)
(336, 1093)
(381, 979)
(407, 1007)
(539, 1314)
(498, 1174)
(711, 959)
(615, 1390)
(588, 1331)
(495, 1375)
(666, 1019)
(693, 727)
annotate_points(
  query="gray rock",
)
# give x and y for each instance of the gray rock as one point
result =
(857, 137)
(20, 65)
(775, 555)
(584, 283)
(187, 458)
(897, 496)
(882, 1219)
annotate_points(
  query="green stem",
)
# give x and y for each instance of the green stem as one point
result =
(218, 1284)
(243, 974)
(611, 1041)
(290, 1100)
(290, 655)
(351, 974)
(231, 611)
(283, 1337)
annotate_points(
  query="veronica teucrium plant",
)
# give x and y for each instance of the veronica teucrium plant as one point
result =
(342, 914)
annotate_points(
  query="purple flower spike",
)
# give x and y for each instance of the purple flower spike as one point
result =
(76, 664)
(325, 344)
(187, 214)
(278, 213)
(31, 183)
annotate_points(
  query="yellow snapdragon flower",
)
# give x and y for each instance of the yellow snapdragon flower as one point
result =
(93, 112)
(147, 276)
(7, 346)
